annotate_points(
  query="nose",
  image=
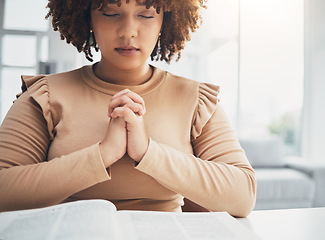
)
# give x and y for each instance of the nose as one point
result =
(128, 27)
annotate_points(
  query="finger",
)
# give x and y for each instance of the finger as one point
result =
(124, 112)
(136, 108)
(118, 102)
(132, 95)
(121, 93)
(126, 98)
(136, 98)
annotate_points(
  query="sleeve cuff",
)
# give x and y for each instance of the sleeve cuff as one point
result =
(97, 166)
(147, 162)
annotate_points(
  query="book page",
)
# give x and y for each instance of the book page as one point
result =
(89, 219)
(182, 226)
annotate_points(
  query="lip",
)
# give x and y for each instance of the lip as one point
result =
(127, 50)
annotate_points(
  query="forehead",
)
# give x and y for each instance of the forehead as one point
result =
(103, 4)
(119, 2)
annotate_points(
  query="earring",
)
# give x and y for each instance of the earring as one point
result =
(91, 39)
(158, 43)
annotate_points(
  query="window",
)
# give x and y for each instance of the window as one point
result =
(271, 70)
(253, 49)
(23, 44)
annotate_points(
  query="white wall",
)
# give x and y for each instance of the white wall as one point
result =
(313, 144)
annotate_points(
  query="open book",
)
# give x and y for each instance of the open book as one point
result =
(99, 219)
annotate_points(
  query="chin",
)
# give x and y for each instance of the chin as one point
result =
(130, 65)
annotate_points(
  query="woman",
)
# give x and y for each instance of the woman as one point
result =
(121, 129)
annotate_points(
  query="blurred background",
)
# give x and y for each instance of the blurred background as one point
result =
(268, 57)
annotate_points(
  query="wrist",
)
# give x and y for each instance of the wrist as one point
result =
(140, 156)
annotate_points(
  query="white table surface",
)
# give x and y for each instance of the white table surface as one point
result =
(288, 224)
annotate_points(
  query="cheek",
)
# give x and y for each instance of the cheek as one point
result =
(148, 41)
(103, 37)
(151, 34)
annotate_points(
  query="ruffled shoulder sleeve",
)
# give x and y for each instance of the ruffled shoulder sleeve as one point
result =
(207, 103)
(38, 89)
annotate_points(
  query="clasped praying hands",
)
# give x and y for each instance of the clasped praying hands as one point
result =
(126, 131)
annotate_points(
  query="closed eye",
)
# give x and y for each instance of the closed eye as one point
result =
(110, 15)
(143, 16)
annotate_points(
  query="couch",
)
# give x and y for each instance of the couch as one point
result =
(284, 182)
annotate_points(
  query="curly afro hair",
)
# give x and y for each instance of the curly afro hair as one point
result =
(181, 17)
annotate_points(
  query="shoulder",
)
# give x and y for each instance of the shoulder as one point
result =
(55, 86)
(192, 89)
(198, 98)
(65, 78)
(182, 83)
(51, 79)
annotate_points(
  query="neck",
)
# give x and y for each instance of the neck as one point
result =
(131, 77)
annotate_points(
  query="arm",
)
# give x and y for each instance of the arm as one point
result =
(218, 177)
(27, 178)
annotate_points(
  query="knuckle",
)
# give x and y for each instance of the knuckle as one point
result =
(125, 110)
(125, 99)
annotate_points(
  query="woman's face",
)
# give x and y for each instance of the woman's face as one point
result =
(126, 35)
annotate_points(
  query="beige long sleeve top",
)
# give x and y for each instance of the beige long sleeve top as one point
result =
(49, 150)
